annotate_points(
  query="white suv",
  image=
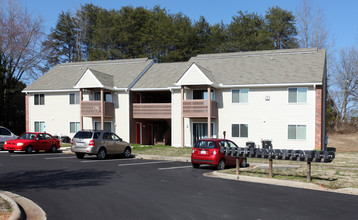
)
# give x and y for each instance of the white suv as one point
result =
(5, 135)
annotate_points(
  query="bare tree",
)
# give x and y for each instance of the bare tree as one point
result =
(20, 58)
(311, 25)
(20, 41)
(344, 90)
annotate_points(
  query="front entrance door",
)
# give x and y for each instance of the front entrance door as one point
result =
(200, 131)
(139, 133)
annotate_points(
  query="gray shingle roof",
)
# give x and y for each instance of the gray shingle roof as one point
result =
(289, 66)
(65, 76)
(162, 75)
(265, 67)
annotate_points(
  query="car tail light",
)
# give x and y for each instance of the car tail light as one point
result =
(72, 141)
(91, 143)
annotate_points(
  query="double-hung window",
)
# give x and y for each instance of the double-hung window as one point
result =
(74, 127)
(40, 126)
(74, 98)
(297, 132)
(240, 95)
(240, 130)
(297, 95)
(39, 99)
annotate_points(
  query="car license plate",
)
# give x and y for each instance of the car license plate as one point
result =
(203, 152)
(80, 144)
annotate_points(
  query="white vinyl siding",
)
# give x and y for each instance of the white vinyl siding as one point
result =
(240, 96)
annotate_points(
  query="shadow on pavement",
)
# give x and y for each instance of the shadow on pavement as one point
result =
(54, 179)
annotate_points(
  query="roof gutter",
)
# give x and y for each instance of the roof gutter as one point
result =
(269, 85)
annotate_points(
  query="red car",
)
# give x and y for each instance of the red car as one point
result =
(207, 151)
(32, 141)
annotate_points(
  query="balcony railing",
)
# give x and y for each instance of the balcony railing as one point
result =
(199, 108)
(93, 109)
(152, 110)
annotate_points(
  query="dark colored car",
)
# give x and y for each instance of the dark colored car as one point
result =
(33, 141)
(100, 143)
(207, 151)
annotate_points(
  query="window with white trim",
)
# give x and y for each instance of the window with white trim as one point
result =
(74, 98)
(297, 95)
(40, 126)
(240, 95)
(297, 132)
(39, 99)
(240, 130)
(74, 127)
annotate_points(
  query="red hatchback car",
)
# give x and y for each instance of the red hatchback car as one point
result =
(207, 151)
(32, 141)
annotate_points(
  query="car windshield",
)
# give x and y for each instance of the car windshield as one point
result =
(28, 136)
(83, 135)
(205, 144)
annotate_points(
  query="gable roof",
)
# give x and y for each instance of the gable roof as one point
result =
(290, 66)
(196, 75)
(95, 79)
(65, 76)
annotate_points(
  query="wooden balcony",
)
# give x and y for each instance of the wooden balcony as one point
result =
(93, 109)
(152, 110)
(199, 108)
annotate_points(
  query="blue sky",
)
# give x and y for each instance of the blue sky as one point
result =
(341, 16)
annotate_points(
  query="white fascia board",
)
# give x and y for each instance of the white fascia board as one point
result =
(49, 91)
(269, 85)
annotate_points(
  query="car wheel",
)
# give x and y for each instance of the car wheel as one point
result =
(11, 151)
(54, 149)
(243, 162)
(102, 154)
(127, 152)
(29, 149)
(196, 165)
(221, 165)
(80, 155)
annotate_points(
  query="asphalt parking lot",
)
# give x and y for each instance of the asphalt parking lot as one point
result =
(118, 188)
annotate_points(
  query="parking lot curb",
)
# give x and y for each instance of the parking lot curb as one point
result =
(31, 210)
(287, 183)
(16, 213)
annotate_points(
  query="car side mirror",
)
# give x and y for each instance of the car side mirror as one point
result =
(120, 139)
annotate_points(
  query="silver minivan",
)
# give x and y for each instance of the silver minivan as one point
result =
(100, 143)
(5, 135)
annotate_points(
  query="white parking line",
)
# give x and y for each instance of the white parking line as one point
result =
(55, 158)
(136, 164)
(172, 168)
(108, 160)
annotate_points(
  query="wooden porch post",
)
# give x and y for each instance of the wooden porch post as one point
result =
(81, 117)
(102, 109)
(209, 112)
(182, 116)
